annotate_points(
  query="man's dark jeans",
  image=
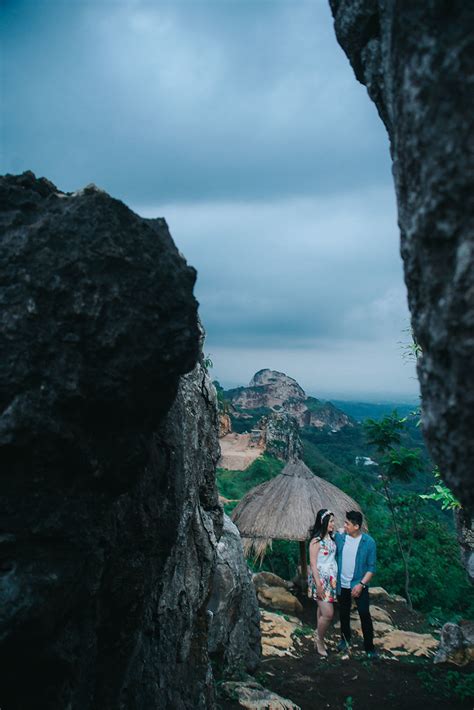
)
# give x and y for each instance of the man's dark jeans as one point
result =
(345, 602)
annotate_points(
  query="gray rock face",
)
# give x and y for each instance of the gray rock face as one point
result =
(109, 507)
(283, 387)
(273, 390)
(456, 644)
(234, 630)
(98, 322)
(282, 436)
(416, 60)
(187, 450)
(465, 535)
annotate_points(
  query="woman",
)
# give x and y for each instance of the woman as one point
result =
(322, 575)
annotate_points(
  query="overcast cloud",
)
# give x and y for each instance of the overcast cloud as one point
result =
(242, 124)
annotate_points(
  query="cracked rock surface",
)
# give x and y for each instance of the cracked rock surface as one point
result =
(234, 628)
(109, 510)
(416, 60)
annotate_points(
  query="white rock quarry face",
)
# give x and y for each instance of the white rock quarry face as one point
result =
(283, 386)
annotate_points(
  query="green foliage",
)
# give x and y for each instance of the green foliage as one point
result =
(438, 580)
(235, 484)
(251, 420)
(401, 463)
(441, 493)
(207, 362)
(281, 558)
(453, 684)
(360, 411)
(385, 433)
(303, 631)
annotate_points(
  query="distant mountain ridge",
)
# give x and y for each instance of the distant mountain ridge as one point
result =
(270, 390)
(373, 410)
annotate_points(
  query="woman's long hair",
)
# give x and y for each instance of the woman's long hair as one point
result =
(320, 527)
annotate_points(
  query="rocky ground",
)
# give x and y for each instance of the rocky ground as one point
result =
(292, 675)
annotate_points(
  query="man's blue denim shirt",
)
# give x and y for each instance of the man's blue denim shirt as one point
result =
(365, 560)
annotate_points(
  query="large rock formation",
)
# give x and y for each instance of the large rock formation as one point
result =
(274, 391)
(416, 60)
(456, 644)
(234, 627)
(282, 436)
(109, 506)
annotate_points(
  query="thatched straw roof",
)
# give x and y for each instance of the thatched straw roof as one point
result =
(285, 507)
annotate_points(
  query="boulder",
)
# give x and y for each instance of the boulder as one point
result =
(456, 644)
(234, 626)
(406, 643)
(381, 593)
(415, 62)
(110, 516)
(465, 534)
(268, 579)
(279, 598)
(282, 437)
(252, 695)
(225, 425)
(278, 633)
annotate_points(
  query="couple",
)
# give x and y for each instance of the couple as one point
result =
(341, 567)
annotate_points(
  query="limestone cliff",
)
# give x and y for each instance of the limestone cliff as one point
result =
(277, 392)
(109, 508)
(281, 436)
(234, 625)
(416, 60)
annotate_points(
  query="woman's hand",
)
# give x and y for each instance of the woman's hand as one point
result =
(320, 589)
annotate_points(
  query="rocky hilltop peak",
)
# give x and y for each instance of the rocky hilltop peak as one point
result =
(275, 391)
(280, 384)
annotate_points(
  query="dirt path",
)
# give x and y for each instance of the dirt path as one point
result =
(352, 682)
(237, 452)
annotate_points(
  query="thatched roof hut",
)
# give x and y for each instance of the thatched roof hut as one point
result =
(285, 507)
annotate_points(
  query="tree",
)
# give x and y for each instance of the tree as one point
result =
(397, 463)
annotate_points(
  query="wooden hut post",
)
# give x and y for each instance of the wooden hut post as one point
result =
(303, 563)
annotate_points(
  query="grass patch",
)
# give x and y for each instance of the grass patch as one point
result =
(235, 484)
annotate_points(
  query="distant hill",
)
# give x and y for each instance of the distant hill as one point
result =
(373, 410)
(272, 391)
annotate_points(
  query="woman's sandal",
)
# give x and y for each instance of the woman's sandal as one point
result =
(319, 645)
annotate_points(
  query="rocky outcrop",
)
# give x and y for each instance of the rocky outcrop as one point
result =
(274, 592)
(282, 437)
(279, 633)
(279, 598)
(456, 644)
(234, 626)
(109, 507)
(276, 392)
(465, 534)
(184, 456)
(416, 60)
(225, 425)
(268, 579)
(254, 696)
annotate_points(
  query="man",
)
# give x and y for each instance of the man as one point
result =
(356, 557)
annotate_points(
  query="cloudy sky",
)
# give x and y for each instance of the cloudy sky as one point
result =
(240, 122)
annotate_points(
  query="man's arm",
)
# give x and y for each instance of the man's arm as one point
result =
(372, 558)
(370, 564)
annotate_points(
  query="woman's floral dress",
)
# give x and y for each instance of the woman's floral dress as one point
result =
(327, 569)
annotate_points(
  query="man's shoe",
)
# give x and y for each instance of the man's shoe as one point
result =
(342, 646)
